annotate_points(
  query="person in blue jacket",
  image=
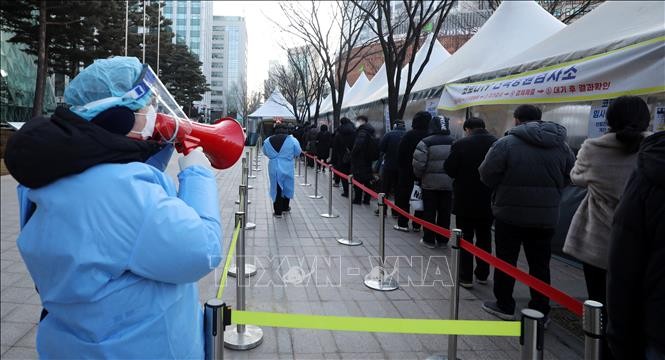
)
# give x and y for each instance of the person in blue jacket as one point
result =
(114, 248)
(281, 148)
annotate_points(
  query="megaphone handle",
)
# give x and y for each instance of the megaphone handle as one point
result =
(188, 144)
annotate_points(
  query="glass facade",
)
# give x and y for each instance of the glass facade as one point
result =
(229, 52)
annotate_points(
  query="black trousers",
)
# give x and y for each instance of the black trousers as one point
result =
(536, 242)
(389, 181)
(437, 206)
(359, 195)
(346, 169)
(281, 203)
(402, 197)
(482, 230)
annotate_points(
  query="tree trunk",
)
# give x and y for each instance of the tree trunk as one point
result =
(38, 104)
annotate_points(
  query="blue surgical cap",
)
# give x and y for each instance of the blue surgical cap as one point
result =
(105, 79)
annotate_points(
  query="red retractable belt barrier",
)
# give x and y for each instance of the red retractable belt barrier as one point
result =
(542, 287)
(426, 224)
(365, 189)
(556, 295)
(340, 174)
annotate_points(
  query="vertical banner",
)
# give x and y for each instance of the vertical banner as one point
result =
(658, 123)
(386, 116)
(430, 106)
(597, 122)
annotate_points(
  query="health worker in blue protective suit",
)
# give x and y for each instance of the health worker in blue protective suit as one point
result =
(114, 248)
(281, 148)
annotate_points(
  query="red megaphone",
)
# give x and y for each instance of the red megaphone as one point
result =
(222, 142)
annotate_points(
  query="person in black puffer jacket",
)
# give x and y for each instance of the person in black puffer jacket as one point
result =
(428, 159)
(342, 146)
(361, 159)
(323, 144)
(526, 170)
(389, 146)
(636, 273)
(419, 129)
(471, 198)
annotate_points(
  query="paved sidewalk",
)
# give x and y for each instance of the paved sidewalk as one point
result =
(302, 269)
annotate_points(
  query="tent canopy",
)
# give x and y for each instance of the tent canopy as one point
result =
(327, 105)
(612, 25)
(514, 26)
(437, 57)
(275, 106)
(616, 49)
(356, 89)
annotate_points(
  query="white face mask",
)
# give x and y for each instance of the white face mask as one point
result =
(150, 120)
(358, 123)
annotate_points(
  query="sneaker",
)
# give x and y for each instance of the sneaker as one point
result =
(346, 195)
(493, 308)
(416, 229)
(287, 210)
(376, 212)
(428, 244)
(277, 216)
(335, 185)
(481, 281)
(466, 284)
(546, 321)
(400, 228)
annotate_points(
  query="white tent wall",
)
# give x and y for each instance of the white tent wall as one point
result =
(514, 27)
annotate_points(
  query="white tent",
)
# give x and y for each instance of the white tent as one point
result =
(618, 48)
(514, 26)
(327, 105)
(275, 106)
(437, 57)
(356, 89)
(378, 82)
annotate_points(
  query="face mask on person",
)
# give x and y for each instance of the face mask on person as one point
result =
(150, 120)
(358, 123)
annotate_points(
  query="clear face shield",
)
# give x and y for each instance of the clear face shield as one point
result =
(171, 119)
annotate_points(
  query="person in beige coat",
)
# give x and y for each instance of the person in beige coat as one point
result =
(603, 166)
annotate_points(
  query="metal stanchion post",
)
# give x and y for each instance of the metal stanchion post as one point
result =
(299, 164)
(306, 183)
(243, 178)
(350, 241)
(454, 291)
(377, 279)
(216, 316)
(248, 269)
(248, 224)
(242, 337)
(249, 168)
(257, 162)
(532, 335)
(592, 324)
(316, 181)
(330, 196)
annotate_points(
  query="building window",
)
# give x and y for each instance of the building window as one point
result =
(194, 33)
(217, 74)
(217, 65)
(195, 22)
(217, 56)
(217, 46)
(168, 10)
(181, 22)
(195, 10)
(218, 37)
(180, 28)
(196, 3)
(217, 83)
(218, 28)
(195, 46)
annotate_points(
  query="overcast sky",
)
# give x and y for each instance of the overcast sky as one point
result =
(263, 37)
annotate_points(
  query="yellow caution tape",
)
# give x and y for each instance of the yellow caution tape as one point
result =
(229, 255)
(384, 325)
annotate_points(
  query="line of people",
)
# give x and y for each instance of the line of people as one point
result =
(515, 184)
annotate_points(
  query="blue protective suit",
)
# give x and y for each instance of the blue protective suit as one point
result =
(116, 252)
(280, 166)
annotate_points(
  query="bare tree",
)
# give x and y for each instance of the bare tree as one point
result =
(238, 100)
(400, 36)
(333, 43)
(567, 11)
(288, 82)
(254, 102)
(303, 63)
